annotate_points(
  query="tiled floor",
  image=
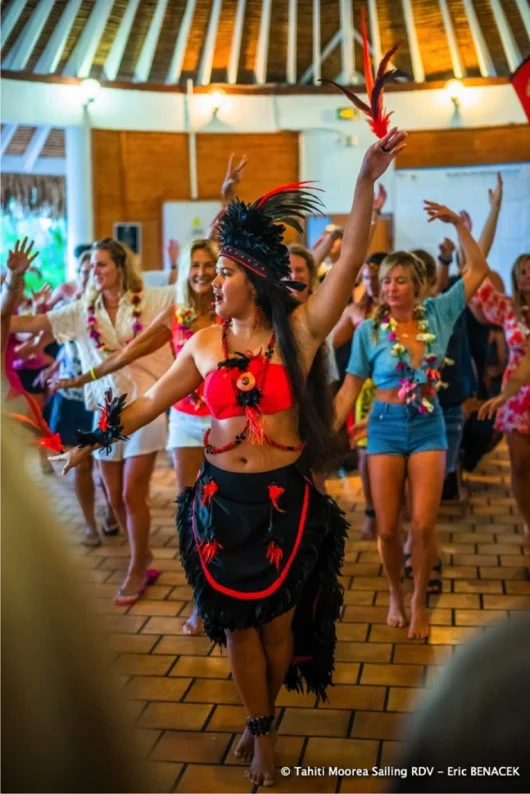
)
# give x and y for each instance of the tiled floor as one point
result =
(179, 691)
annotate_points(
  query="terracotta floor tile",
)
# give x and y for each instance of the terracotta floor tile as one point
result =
(358, 597)
(164, 625)
(201, 779)
(346, 753)
(362, 569)
(130, 643)
(227, 718)
(145, 740)
(404, 698)
(202, 667)
(133, 708)
(300, 784)
(392, 754)
(346, 696)
(514, 560)
(496, 548)
(475, 559)
(448, 635)
(364, 614)
(143, 664)
(191, 747)
(382, 633)
(182, 593)
(185, 646)
(172, 578)
(210, 690)
(158, 608)
(288, 751)
(352, 632)
(376, 725)
(369, 557)
(363, 785)
(503, 573)
(163, 776)
(296, 699)
(455, 600)
(421, 654)
(459, 572)
(477, 586)
(121, 624)
(518, 588)
(363, 652)
(506, 602)
(370, 583)
(319, 722)
(478, 617)
(175, 716)
(392, 674)
(473, 537)
(155, 688)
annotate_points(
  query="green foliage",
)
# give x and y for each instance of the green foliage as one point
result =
(50, 240)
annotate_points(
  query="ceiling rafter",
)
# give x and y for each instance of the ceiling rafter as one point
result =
(10, 19)
(485, 62)
(8, 133)
(145, 61)
(414, 48)
(260, 68)
(206, 63)
(524, 10)
(114, 58)
(347, 56)
(80, 61)
(35, 147)
(458, 68)
(235, 48)
(51, 56)
(511, 50)
(291, 42)
(316, 42)
(177, 60)
(20, 53)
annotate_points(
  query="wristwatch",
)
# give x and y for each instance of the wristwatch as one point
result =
(444, 261)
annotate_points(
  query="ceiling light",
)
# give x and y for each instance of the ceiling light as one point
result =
(89, 90)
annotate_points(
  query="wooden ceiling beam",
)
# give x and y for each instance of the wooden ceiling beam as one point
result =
(10, 19)
(145, 61)
(175, 67)
(206, 63)
(20, 53)
(330, 47)
(235, 48)
(414, 48)
(485, 62)
(458, 68)
(52, 53)
(262, 51)
(347, 55)
(8, 132)
(80, 61)
(373, 24)
(511, 50)
(291, 42)
(112, 63)
(35, 147)
(524, 10)
(316, 42)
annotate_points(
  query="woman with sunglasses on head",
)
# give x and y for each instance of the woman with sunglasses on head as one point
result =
(105, 320)
(261, 546)
(401, 348)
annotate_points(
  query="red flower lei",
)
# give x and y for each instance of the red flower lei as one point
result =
(95, 333)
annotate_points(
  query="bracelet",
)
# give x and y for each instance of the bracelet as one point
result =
(443, 261)
(92, 373)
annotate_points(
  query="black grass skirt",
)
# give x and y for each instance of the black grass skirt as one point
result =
(254, 546)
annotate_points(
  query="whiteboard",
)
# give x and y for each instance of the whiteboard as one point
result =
(465, 188)
(185, 221)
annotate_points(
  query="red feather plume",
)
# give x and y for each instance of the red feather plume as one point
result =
(48, 440)
(378, 119)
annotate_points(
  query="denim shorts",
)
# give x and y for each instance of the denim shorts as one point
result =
(454, 428)
(397, 429)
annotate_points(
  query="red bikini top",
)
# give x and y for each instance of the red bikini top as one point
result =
(247, 385)
(222, 386)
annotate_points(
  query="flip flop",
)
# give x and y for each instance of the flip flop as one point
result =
(129, 600)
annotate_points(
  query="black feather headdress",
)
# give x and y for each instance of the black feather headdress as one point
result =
(252, 234)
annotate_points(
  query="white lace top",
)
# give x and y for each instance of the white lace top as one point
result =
(71, 323)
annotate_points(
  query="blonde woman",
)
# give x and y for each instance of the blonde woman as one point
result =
(107, 320)
(401, 348)
(189, 419)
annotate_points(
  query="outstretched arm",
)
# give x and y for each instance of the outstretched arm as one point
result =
(490, 227)
(18, 261)
(156, 335)
(476, 268)
(324, 308)
(181, 379)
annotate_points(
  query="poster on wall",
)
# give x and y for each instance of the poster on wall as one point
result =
(185, 221)
(130, 234)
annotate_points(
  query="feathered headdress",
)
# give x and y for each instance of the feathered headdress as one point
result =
(252, 234)
(49, 440)
(378, 119)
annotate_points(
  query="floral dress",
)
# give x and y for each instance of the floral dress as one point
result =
(500, 310)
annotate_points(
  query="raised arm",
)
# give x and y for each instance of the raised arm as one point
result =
(180, 380)
(488, 232)
(445, 257)
(156, 335)
(324, 308)
(476, 268)
(346, 398)
(18, 262)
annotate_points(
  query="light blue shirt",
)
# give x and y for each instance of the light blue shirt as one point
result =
(372, 358)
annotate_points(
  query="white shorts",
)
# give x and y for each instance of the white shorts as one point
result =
(186, 430)
(148, 439)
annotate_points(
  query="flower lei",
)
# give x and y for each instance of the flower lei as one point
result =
(95, 334)
(185, 317)
(410, 390)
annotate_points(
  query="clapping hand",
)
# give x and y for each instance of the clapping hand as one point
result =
(441, 212)
(379, 156)
(233, 176)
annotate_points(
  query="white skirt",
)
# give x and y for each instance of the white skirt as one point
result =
(186, 430)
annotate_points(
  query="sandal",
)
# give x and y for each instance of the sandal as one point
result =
(122, 599)
(90, 539)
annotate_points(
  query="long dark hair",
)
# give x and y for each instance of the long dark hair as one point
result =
(312, 394)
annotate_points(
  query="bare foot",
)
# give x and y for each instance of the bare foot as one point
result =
(245, 747)
(419, 622)
(261, 770)
(193, 625)
(369, 529)
(396, 610)
(135, 581)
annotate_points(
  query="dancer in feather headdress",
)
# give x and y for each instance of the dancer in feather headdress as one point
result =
(260, 545)
(378, 118)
